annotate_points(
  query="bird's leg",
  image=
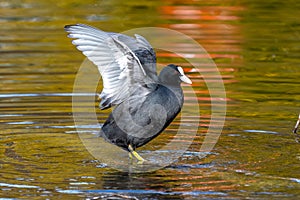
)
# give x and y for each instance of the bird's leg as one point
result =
(295, 130)
(135, 154)
(297, 125)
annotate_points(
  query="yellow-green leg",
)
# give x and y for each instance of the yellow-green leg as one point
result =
(135, 154)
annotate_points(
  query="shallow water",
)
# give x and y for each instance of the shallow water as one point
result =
(255, 46)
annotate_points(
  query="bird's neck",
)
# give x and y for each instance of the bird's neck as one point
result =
(176, 89)
(169, 82)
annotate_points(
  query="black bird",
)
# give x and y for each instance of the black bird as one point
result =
(145, 104)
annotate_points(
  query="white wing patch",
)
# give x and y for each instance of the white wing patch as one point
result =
(114, 55)
(132, 54)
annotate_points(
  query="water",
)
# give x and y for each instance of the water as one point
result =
(255, 46)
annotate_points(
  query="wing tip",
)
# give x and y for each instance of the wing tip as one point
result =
(68, 27)
(105, 103)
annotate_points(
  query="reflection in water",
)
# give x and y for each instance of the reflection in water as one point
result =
(255, 45)
(211, 27)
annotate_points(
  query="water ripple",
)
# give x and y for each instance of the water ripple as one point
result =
(18, 186)
(147, 192)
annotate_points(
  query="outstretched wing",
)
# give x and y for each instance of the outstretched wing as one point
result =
(125, 63)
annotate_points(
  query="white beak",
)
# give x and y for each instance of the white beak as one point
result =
(185, 79)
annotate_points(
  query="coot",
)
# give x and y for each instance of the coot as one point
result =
(144, 103)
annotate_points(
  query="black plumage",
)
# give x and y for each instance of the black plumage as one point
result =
(145, 104)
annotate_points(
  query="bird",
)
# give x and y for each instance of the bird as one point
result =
(144, 103)
(297, 125)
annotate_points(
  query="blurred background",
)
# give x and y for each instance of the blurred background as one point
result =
(256, 47)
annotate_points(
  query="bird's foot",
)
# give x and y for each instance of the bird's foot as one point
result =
(133, 153)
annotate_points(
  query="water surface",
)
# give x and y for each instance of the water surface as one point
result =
(255, 46)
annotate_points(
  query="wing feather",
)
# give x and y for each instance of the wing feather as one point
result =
(117, 57)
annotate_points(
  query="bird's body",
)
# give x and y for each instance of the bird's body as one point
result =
(145, 104)
(140, 125)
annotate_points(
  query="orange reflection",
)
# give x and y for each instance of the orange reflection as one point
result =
(211, 26)
(216, 29)
(205, 13)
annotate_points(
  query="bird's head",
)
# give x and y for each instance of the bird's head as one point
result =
(173, 75)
